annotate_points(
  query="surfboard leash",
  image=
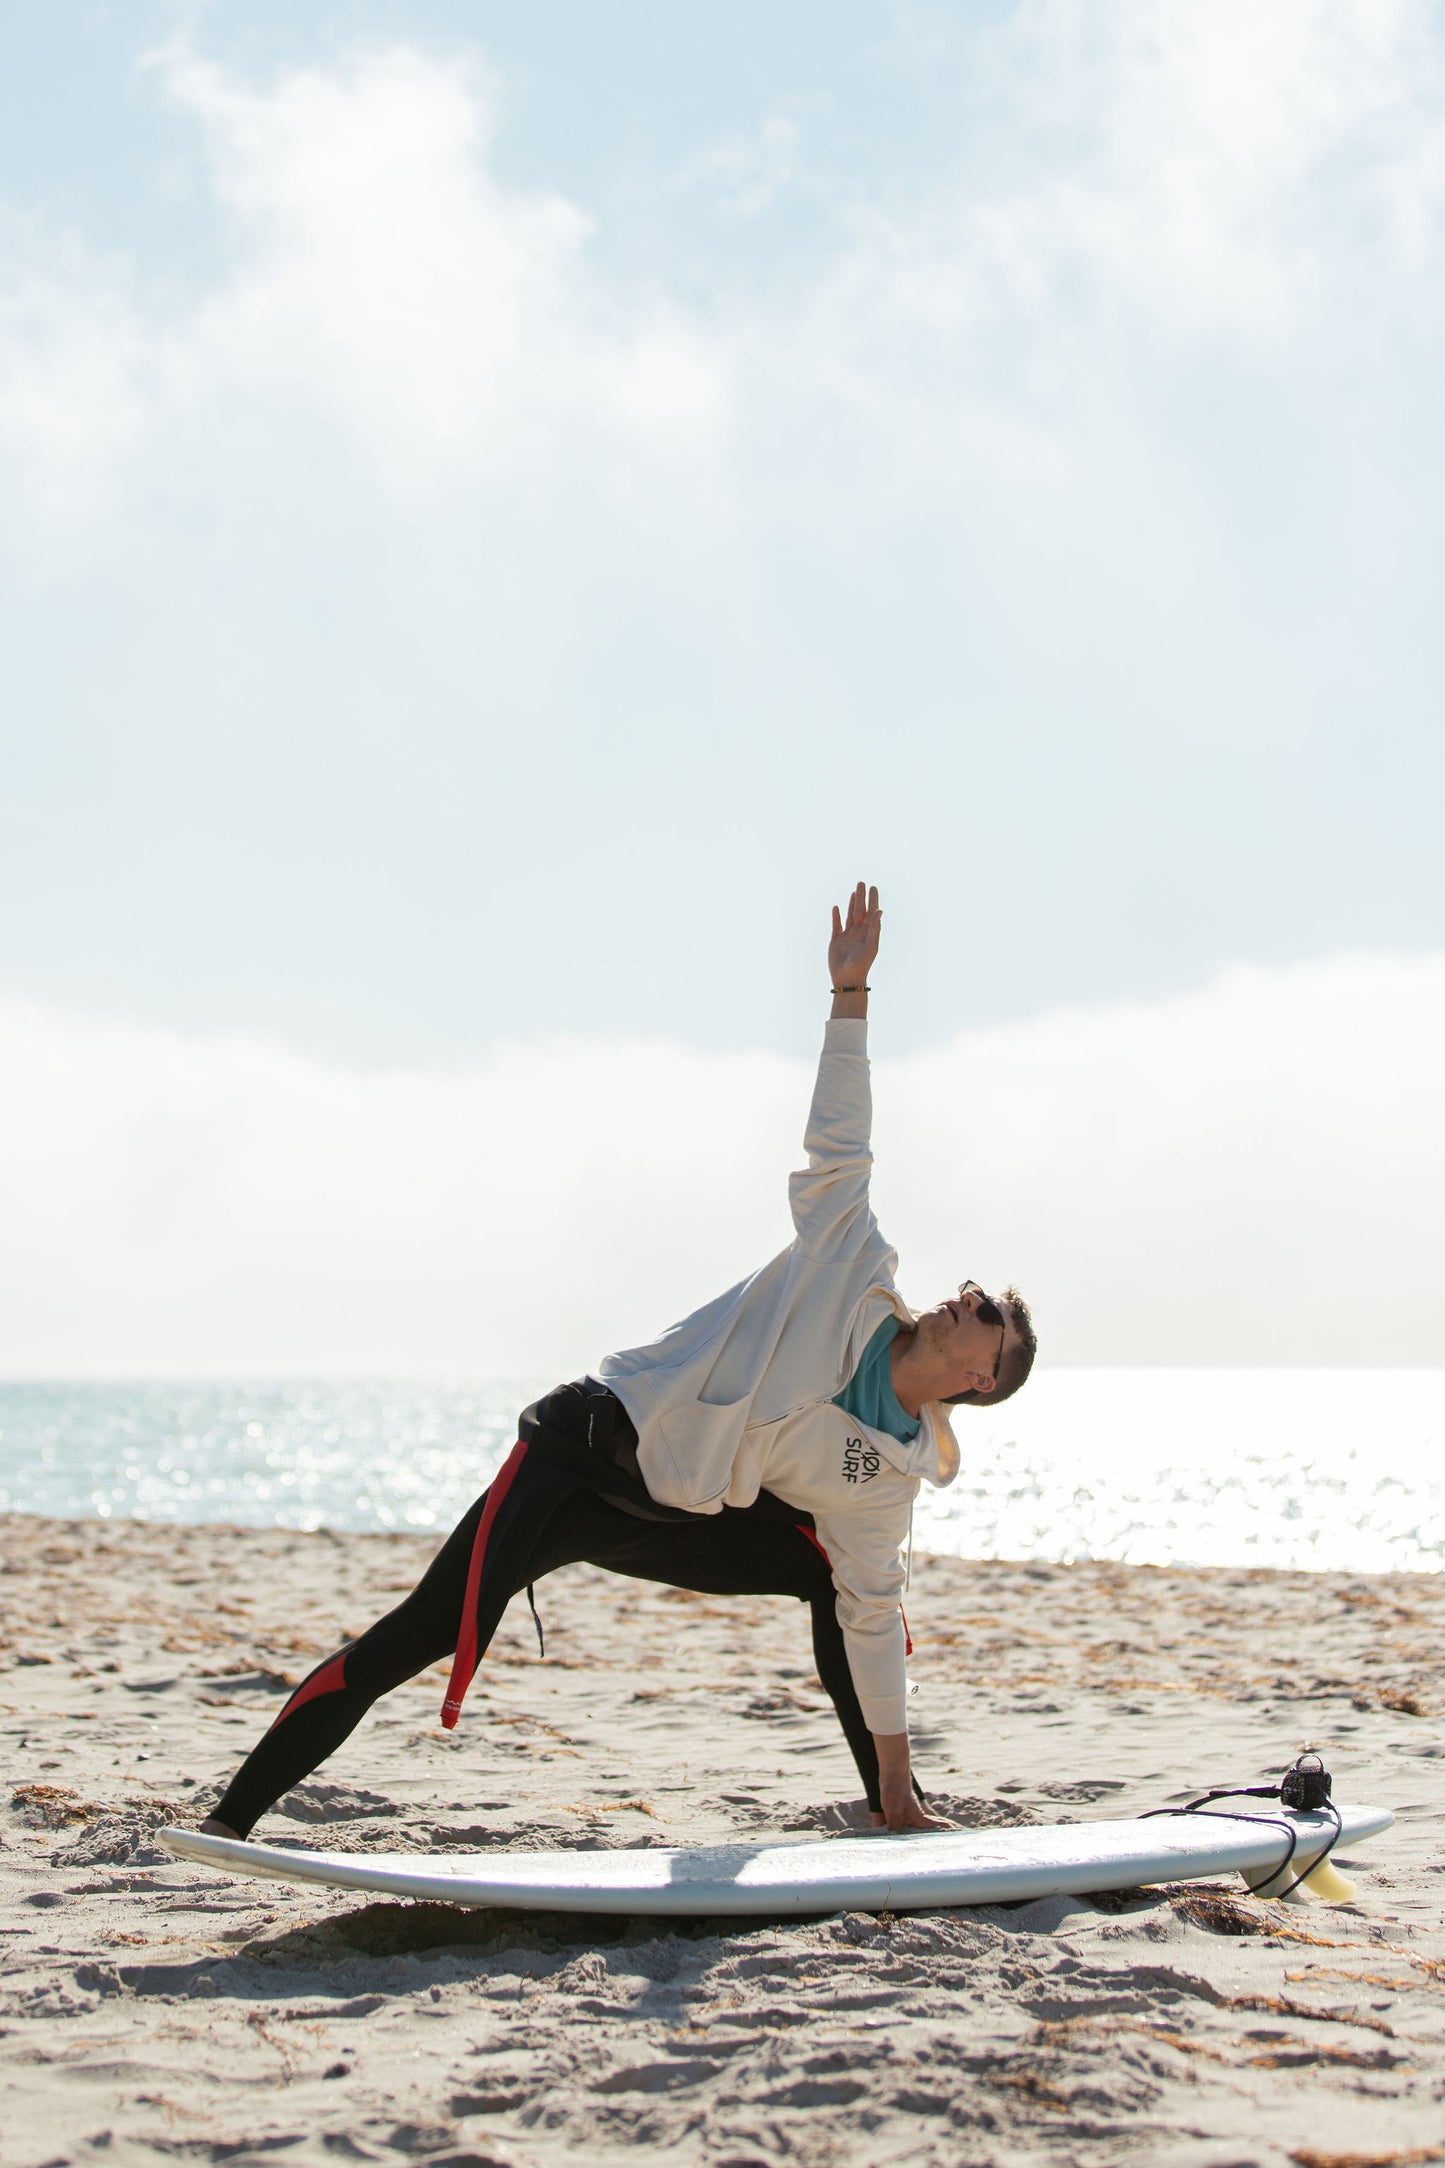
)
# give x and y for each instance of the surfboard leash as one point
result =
(1303, 1788)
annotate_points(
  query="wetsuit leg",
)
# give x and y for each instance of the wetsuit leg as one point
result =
(328, 1705)
(729, 1554)
(733, 1553)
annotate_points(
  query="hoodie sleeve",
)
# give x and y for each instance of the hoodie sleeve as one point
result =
(866, 1556)
(829, 1197)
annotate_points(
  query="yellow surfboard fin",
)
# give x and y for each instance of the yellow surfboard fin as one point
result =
(1323, 1884)
(1327, 1883)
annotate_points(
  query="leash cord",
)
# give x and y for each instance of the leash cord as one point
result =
(1277, 1821)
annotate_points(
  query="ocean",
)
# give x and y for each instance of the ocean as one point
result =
(1296, 1468)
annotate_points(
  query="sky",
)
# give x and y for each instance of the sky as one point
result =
(506, 511)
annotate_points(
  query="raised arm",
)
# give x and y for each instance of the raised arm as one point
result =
(853, 951)
(829, 1197)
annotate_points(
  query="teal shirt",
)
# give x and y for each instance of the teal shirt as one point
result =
(869, 1395)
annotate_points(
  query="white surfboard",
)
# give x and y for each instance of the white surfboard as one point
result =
(864, 1873)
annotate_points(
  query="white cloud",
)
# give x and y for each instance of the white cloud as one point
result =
(1221, 163)
(1142, 189)
(412, 539)
(1248, 1174)
(375, 275)
(1253, 1173)
(383, 263)
(1143, 166)
(72, 362)
(984, 379)
(747, 174)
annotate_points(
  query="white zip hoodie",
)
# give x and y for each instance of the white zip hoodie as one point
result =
(739, 1396)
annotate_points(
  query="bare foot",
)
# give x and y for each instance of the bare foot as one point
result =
(212, 1828)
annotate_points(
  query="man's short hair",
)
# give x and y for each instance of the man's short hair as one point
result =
(1018, 1358)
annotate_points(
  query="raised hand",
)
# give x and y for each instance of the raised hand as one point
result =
(854, 946)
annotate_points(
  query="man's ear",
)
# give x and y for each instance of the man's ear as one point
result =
(981, 1382)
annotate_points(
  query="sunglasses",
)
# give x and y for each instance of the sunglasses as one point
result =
(988, 1313)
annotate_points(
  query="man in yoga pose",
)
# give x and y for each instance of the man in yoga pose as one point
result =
(771, 1443)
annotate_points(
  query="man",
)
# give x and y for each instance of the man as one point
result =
(774, 1441)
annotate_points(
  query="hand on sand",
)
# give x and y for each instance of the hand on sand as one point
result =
(854, 946)
(909, 1814)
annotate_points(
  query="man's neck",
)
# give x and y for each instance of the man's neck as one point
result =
(908, 1390)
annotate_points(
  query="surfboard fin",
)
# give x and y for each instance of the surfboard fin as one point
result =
(1263, 1886)
(1327, 1883)
(1324, 1883)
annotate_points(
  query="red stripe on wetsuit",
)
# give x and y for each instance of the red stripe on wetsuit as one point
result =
(464, 1663)
(330, 1679)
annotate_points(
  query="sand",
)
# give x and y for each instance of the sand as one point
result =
(156, 2011)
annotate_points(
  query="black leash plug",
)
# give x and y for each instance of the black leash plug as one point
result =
(1303, 1787)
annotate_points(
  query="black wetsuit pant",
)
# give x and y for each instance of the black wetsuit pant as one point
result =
(570, 1494)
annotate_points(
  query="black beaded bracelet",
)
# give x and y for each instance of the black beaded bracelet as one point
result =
(852, 989)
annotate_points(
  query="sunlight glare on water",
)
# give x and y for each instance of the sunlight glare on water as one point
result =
(333, 1454)
(1327, 1468)
(1287, 1468)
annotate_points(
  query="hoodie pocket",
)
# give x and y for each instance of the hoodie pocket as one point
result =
(701, 1441)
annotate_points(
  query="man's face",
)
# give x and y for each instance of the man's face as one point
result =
(968, 1333)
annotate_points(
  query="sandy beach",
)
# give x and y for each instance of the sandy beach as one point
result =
(153, 2010)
